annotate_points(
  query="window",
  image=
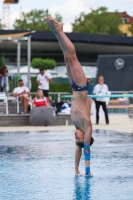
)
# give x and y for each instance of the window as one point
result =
(125, 20)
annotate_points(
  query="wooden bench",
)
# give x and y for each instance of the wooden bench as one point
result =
(117, 106)
(3, 97)
(23, 120)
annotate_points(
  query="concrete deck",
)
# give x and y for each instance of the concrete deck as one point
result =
(120, 123)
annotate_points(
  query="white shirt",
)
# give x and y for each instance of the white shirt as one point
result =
(101, 90)
(19, 90)
(44, 82)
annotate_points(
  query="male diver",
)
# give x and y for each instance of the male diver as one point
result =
(79, 111)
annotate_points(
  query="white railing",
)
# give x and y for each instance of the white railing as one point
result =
(66, 96)
(3, 97)
(52, 95)
(119, 103)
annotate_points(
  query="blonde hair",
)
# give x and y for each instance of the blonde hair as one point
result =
(38, 96)
(101, 77)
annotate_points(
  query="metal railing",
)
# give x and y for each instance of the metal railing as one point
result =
(52, 95)
(119, 103)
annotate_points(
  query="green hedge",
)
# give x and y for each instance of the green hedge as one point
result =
(54, 87)
(2, 61)
(38, 63)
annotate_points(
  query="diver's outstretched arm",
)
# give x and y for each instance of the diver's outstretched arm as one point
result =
(78, 154)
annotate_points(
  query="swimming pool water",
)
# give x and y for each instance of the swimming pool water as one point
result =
(40, 166)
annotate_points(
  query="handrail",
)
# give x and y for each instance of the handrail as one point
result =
(10, 93)
(56, 95)
(102, 96)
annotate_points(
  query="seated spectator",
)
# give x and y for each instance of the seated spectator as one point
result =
(23, 93)
(3, 75)
(40, 100)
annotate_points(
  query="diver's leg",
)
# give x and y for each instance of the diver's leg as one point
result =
(67, 63)
(69, 52)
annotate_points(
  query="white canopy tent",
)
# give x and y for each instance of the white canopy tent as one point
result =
(90, 71)
(18, 38)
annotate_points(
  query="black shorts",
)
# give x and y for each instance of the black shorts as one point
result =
(45, 92)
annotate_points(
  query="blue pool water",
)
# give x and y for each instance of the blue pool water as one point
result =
(40, 166)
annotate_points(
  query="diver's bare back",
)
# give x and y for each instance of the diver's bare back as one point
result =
(80, 111)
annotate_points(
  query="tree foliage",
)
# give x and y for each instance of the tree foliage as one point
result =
(54, 87)
(38, 63)
(2, 62)
(1, 25)
(98, 21)
(34, 20)
(130, 28)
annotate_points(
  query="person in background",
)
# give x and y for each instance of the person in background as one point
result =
(3, 75)
(101, 89)
(90, 92)
(43, 80)
(23, 93)
(40, 100)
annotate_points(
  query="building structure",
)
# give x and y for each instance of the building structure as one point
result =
(117, 70)
(45, 45)
(6, 12)
(127, 23)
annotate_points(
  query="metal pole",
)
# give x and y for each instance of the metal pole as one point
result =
(18, 56)
(29, 59)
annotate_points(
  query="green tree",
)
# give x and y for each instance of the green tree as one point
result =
(130, 28)
(43, 63)
(34, 20)
(2, 62)
(98, 21)
(1, 25)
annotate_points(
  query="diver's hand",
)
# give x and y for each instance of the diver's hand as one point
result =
(77, 172)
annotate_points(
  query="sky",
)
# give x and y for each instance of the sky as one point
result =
(69, 9)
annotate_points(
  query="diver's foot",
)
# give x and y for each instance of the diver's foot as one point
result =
(53, 24)
(77, 172)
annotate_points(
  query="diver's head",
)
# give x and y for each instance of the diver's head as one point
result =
(79, 136)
